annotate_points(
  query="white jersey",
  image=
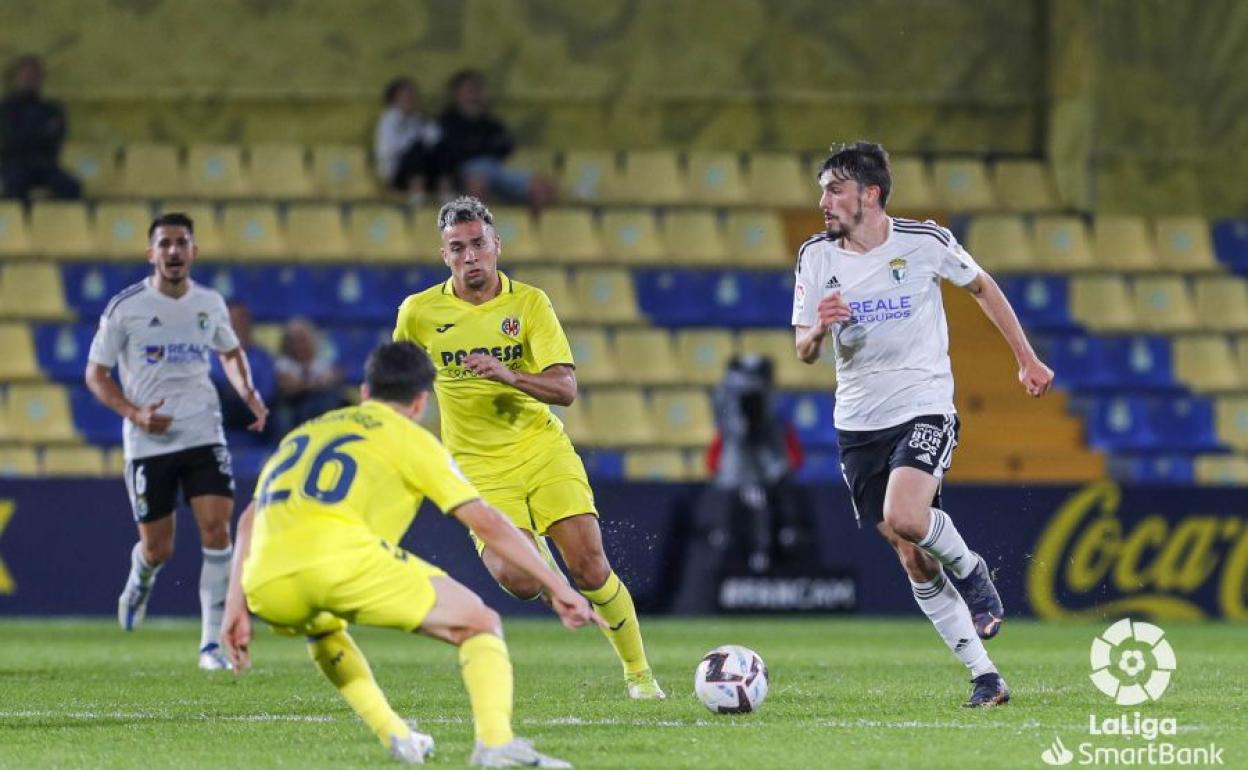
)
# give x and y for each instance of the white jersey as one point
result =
(163, 348)
(892, 357)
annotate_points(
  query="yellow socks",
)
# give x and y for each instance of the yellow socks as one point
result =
(486, 668)
(615, 604)
(343, 664)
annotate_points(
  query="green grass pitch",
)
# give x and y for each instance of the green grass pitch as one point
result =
(845, 693)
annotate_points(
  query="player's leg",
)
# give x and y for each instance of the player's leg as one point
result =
(208, 483)
(512, 500)
(152, 500)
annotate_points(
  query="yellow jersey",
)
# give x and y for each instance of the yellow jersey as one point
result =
(349, 477)
(483, 419)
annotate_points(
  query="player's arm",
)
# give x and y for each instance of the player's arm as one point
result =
(236, 623)
(238, 372)
(832, 309)
(1032, 373)
(100, 382)
(554, 385)
(502, 538)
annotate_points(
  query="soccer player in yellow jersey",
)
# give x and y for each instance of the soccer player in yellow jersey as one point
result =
(502, 359)
(318, 546)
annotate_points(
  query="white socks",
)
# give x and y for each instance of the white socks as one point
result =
(944, 543)
(944, 606)
(141, 573)
(214, 582)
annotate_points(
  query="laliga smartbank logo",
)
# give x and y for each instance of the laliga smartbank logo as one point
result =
(1132, 662)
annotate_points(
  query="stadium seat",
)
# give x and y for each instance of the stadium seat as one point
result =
(756, 239)
(347, 295)
(340, 172)
(1078, 360)
(39, 413)
(1122, 424)
(1153, 469)
(253, 232)
(676, 298)
(694, 237)
(279, 171)
(1231, 420)
(1041, 301)
(1061, 245)
(62, 230)
(592, 354)
(569, 235)
(379, 233)
(315, 232)
(715, 178)
(1001, 243)
(820, 467)
(1185, 424)
(1230, 240)
(606, 295)
(32, 290)
(749, 298)
(120, 230)
(215, 171)
(351, 345)
(1142, 362)
(787, 370)
(1123, 243)
(539, 160)
(810, 414)
(1164, 303)
(18, 462)
(1222, 302)
(620, 417)
(704, 354)
(652, 177)
(1222, 469)
(554, 281)
(19, 361)
(151, 171)
(647, 357)
(777, 180)
(89, 287)
(590, 176)
(61, 349)
(94, 165)
(682, 417)
(575, 421)
(632, 236)
(1183, 244)
(1137, 363)
(73, 461)
(913, 187)
(209, 235)
(959, 185)
(425, 235)
(1024, 186)
(14, 232)
(1206, 364)
(1102, 303)
(656, 465)
(518, 235)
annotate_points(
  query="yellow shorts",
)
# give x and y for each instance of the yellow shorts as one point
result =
(378, 585)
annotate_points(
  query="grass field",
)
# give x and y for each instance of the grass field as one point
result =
(844, 694)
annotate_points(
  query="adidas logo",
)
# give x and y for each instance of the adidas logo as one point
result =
(961, 643)
(154, 322)
(925, 457)
(832, 283)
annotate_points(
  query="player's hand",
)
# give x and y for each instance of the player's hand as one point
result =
(573, 609)
(149, 420)
(490, 368)
(259, 410)
(236, 636)
(833, 309)
(1035, 377)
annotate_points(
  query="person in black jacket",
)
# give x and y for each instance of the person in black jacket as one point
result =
(31, 132)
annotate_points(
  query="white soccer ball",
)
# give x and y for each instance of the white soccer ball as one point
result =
(731, 680)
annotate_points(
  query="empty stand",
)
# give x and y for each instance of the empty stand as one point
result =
(95, 166)
(1222, 302)
(18, 361)
(518, 234)
(74, 461)
(569, 235)
(632, 236)
(340, 172)
(620, 417)
(379, 233)
(648, 357)
(606, 295)
(279, 171)
(1061, 244)
(62, 230)
(913, 187)
(253, 231)
(1183, 244)
(590, 176)
(1124, 243)
(656, 465)
(592, 354)
(1164, 303)
(40, 414)
(1001, 243)
(756, 238)
(776, 179)
(960, 185)
(652, 177)
(1102, 303)
(151, 171)
(315, 231)
(14, 232)
(715, 178)
(1024, 185)
(32, 290)
(682, 417)
(216, 171)
(120, 230)
(694, 237)
(704, 353)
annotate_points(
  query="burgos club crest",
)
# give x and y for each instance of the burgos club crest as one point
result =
(511, 327)
(897, 270)
(202, 318)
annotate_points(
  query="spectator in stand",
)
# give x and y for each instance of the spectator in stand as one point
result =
(308, 381)
(31, 132)
(405, 141)
(235, 414)
(475, 144)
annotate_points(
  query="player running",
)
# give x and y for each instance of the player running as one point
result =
(502, 359)
(873, 282)
(318, 545)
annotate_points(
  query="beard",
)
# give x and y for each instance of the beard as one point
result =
(839, 229)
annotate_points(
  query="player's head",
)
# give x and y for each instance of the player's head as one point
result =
(470, 244)
(171, 246)
(401, 374)
(25, 75)
(402, 93)
(469, 93)
(856, 181)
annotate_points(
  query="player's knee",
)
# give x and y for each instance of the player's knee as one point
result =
(589, 570)
(155, 553)
(910, 525)
(481, 620)
(520, 586)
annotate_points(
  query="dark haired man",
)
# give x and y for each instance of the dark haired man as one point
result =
(32, 129)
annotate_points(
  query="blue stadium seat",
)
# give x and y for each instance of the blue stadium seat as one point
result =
(820, 466)
(352, 345)
(753, 298)
(395, 284)
(1078, 360)
(275, 293)
(1041, 301)
(1185, 424)
(247, 459)
(62, 349)
(676, 298)
(810, 413)
(1230, 243)
(97, 423)
(348, 295)
(1142, 363)
(1123, 424)
(1156, 469)
(89, 287)
(603, 464)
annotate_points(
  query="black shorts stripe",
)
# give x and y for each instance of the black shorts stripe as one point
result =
(122, 296)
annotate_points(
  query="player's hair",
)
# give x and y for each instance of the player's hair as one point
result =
(393, 87)
(398, 372)
(864, 162)
(465, 208)
(171, 219)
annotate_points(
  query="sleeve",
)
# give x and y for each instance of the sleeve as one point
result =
(109, 341)
(805, 294)
(434, 474)
(223, 336)
(548, 345)
(956, 264)
(405, 322)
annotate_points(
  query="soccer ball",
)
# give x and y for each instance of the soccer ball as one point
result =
(731, 680)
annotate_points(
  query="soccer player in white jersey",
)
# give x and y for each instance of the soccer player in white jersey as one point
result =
(872, 283)
(160, 332)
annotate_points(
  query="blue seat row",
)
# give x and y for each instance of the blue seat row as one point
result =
(1151, 424)
(1230, 243)
(1089, 362)
(731, 298)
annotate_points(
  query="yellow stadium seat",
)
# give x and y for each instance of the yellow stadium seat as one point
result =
(32, 290)
(704, 353)
(1222, 301)
(653, 177)
(569, 235)
(1123, 243)
(425, 234)
(606, 295)
(683, 417)
(539, 160)
(252, 231)
(715, 178)
(379, 233)
(776, 179)
(961, 185)
(115, 462)
(656, 465)
(1061, 244)
(18, 461)
(216, 171)
(694, 237)
(207, 226)
(1222, 469)
(756, 239)
(1241, 355)
(518, 235)
(787, 369)
(1206, 363)
(121, 230)
(1183, 244)
(1025, 186)
(40, 414)
(340, 172)
(647, 357)
(554, 281)
(575, 420)
(632, 236)
(14, 232)
(1231, 418)
(1001, 243)
(1102, 303)
(620, 417)
(590, 176)
(279, 171)
(95, 165)
(18, 361)
(151, 171)
(74, 461)
(62, 229)
(591, 352)
(912, 189)
(315, 231)
(1164, 304)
